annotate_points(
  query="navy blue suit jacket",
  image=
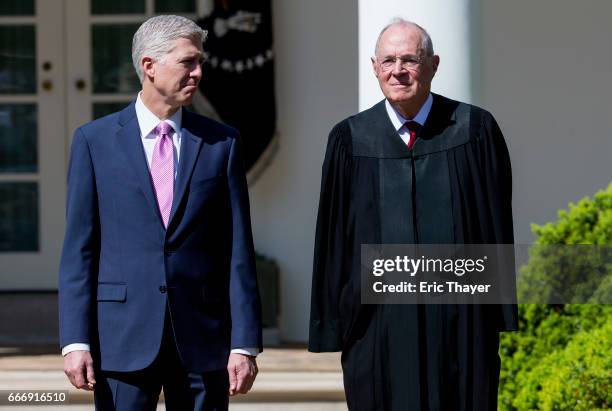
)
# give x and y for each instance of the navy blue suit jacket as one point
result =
(120, 267)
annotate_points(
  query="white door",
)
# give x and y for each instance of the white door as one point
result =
(62, 64)
(32, 142)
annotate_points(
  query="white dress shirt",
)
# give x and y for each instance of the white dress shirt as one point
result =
(398, 120)
(147, 121)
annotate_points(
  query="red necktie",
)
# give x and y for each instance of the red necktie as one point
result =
(413, 129)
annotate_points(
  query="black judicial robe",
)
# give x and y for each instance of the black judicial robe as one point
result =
(455, 186)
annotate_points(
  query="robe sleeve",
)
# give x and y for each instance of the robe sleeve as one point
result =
(498, 174)
(498, 178)
(330, 269)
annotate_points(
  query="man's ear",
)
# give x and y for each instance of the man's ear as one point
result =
(373, 60)
(148, 68)
(436, 62)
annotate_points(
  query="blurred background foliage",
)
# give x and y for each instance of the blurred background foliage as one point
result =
(561, 359)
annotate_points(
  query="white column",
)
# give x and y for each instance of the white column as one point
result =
(454, 28)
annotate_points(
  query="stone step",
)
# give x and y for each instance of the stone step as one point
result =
(47, 358)
(303, 386)
(285, 375)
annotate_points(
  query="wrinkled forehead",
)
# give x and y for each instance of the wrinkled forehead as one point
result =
(400, 40)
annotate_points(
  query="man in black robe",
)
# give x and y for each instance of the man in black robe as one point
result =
(416, 168)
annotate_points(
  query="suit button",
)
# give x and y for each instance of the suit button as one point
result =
(162, 289)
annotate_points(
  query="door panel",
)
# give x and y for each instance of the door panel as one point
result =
(32, 143)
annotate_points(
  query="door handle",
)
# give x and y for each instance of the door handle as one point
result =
(47, 85)
(80, 84)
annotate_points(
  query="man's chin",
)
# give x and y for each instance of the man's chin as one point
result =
(186, 100)
(399, 98)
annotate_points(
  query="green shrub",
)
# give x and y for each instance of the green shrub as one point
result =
(561, 359)
(545, 331)
(571, 261)
(587, 222)
(577, 377)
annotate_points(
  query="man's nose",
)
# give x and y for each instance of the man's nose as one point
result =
(398, 67)
(197, 72)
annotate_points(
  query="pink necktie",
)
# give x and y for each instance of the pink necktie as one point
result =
(162, 170)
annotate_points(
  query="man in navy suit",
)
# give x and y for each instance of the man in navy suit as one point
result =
(157, 285)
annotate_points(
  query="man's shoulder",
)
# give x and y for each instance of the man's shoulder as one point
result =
(103, 125)
(477, 123)
(206, 123)
(369, 112)
(350, 131)
(367, 115)
(342, 127)
(376, 111)
(461, 107)
(341, 133)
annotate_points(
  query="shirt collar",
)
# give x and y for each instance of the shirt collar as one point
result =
(398, 120)
(147, 121)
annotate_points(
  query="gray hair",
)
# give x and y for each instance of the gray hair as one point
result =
(155, 38)
(426, 43)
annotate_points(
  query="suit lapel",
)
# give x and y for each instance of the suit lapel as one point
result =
(190, 148)
(130, 141)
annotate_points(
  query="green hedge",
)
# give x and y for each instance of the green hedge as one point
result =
(587, 222)
(561, 359)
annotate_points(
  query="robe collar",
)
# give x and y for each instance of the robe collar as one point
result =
(374, 135)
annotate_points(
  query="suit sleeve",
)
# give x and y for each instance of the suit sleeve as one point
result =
(329, 267)
(244, 294)
(80, 254)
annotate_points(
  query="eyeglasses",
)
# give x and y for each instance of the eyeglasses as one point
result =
(406, 62)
